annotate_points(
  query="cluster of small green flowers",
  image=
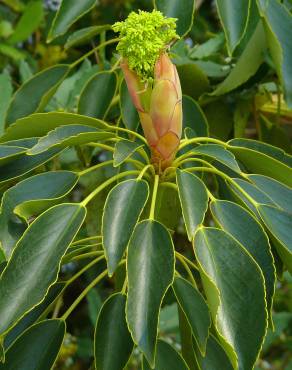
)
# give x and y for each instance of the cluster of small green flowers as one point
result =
(143, 36)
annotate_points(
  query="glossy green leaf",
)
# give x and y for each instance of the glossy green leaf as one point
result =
(122, 210)
(257, 162)
(220, 119)
(193, 116)
(123, 150)
(8, 153)
(34, 264)
(278, 22)
(234, 17)
(167, 207)
(150, 264)
(97, 95)
(36, 314)
(41, 87)
(37, 347)
(25, 163)
(84, 35)
(248, 63)
(63, 136)
(264, 148)
(40, 124)
(35, 194)
(6, 93)
(215, 357)
(195, 309)
(218, 153)
(280, 194)
(194, 200)
(28, 22)
(208, 48)
(128, 111)
(166, 358)
(182, 10)
(279, 225)
(67, 14)
(112, 341)
(226, 268)
(248, 231)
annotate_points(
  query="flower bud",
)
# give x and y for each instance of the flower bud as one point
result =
(161, 119)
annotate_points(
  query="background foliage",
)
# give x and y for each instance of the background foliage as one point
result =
(236, 74)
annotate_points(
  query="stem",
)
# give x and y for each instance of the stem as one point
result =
(95, 167)
(83, 294)
(85, 268)
(86, 255)
(106, 183)
(123, 291)
(103, 146)
(186, 267)
(154, 195)
(100, 46)
(187, 260)
(186, 142)
(169, 185)
(89, 238)
(116, 128)
(145, 169)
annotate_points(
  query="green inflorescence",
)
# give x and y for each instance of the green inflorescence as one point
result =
(143, 36)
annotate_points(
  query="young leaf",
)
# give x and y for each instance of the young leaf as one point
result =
(37, 347)
(40, 124)
(63, 136)
(37, 193)
(195, 309)
(41, 87)
(166, 358)
(97, 94)
(248, 231)
(279, 224)
(122, 209)
(112, 341)
(194, 200)
(226, 269)
(182, 10)
(34, 264)
(150, 264)
(67, 14)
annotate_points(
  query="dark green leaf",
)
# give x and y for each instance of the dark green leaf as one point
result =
(35, 194)
(6, 93)
(63, 136)
(34, 264)
(84, 35)
(97, 95)
(112, 341)
(194, 200)
(68, 14)
(40, 124)
(248, 231)
(8, 153)
(182, 10)
(193, 116)
(215, 357)
(195, 309)
(234, 17)
(257, 162)
(150, 264)
(37, 347)
(35, 93)
(128, 111)
(208, 48)
(279, 224)
(123, 150)
(278, 22)
(167, 358)
(194, 81)
(280, 194)
(122, 209)
(226, 269)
